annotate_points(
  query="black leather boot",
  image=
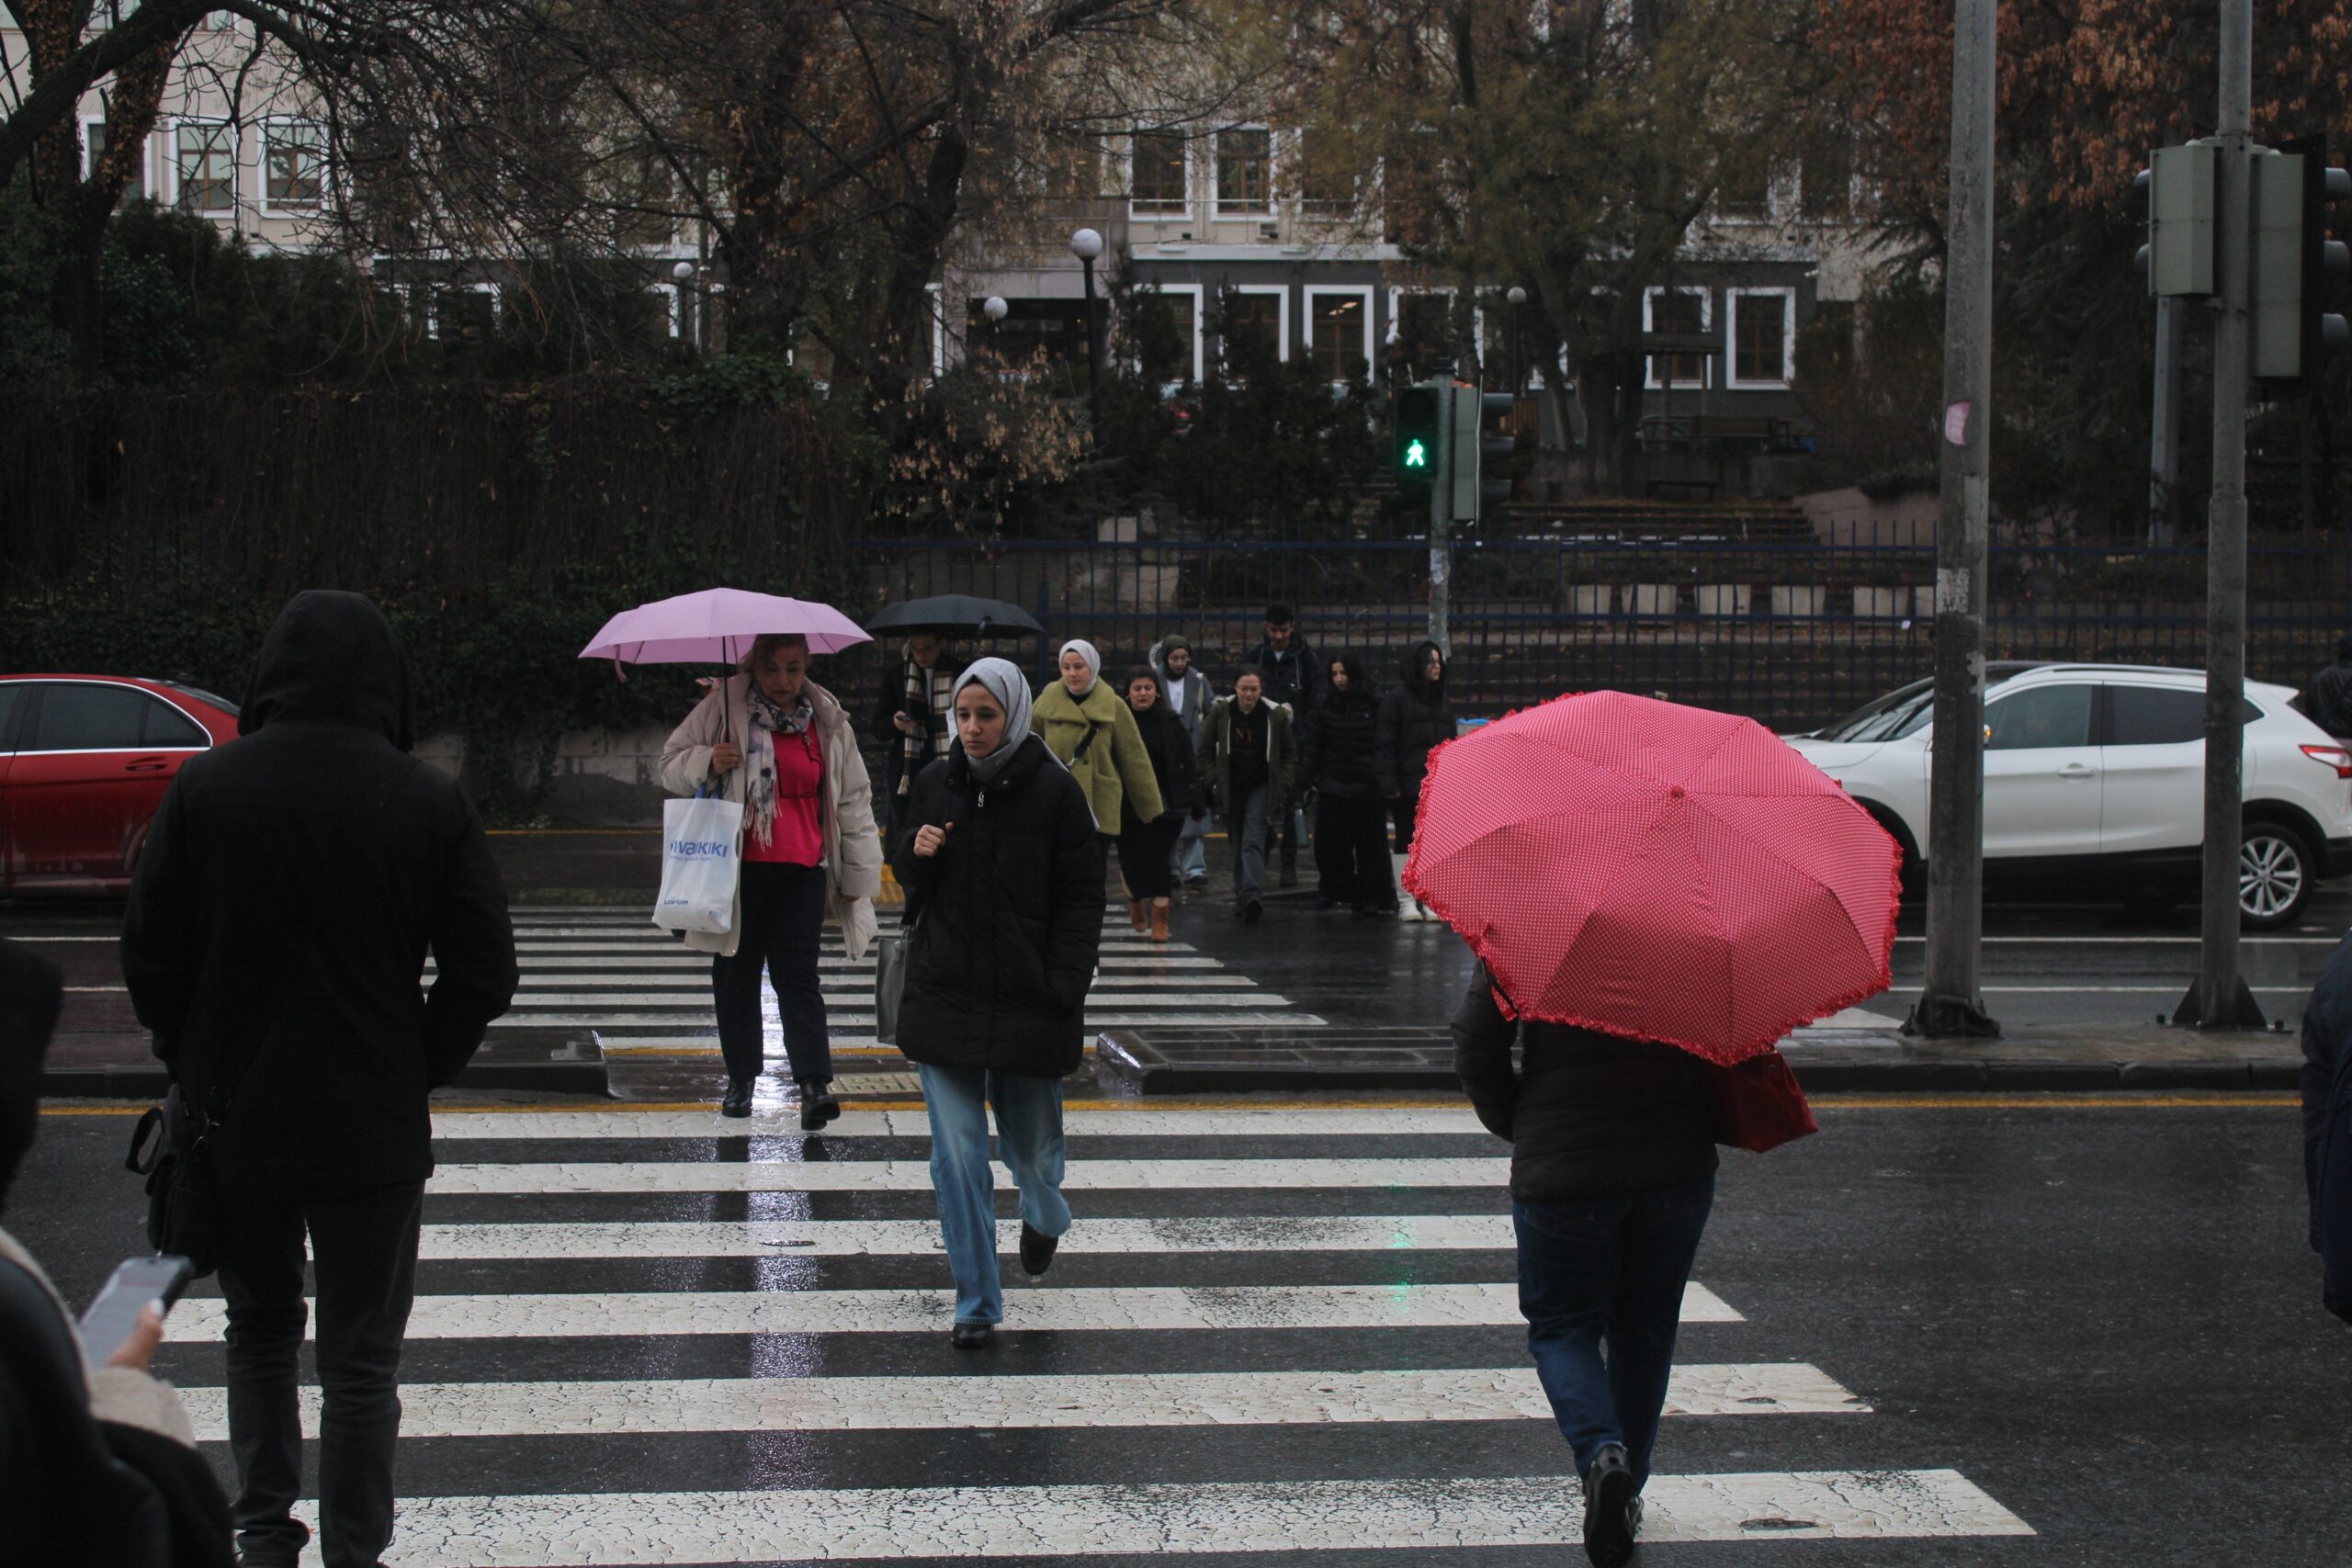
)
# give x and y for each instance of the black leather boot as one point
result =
(736, 1102)
(818, 1105)
(1037, 1250)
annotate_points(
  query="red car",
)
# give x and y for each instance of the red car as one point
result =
(83, 761)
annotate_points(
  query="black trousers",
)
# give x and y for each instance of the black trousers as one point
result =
(1404, 808)
(784, 919)
(1351, 851)
(363, 1246)
(1144, 862)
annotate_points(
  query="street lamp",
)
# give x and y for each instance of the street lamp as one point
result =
(1086, 244)
(995, 308)
(683, 274)
(1517, 297)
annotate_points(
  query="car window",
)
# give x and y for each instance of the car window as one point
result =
(2161, 715)
(78, 717)
(9, 696)
(2040, 716)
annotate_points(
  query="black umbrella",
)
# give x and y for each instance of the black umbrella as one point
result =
(955, 614)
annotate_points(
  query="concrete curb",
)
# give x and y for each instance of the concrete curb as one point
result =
(549, 1064)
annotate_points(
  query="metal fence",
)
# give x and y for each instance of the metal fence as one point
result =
(1790, 632)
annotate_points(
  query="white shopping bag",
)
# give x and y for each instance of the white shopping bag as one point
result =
(699, 865)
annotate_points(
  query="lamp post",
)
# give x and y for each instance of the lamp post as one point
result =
(994, 309)
(1086, 244)
(684, 275)
(1517, 297)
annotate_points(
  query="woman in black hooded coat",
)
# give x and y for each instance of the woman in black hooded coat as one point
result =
(1415, 715)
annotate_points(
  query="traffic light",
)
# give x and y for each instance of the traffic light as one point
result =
(2291, 331)
(1482, 450)
(1418, 425)
(2183, 192)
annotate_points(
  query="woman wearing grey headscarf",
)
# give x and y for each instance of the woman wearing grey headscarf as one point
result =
(1092, 730)
(1003, 875)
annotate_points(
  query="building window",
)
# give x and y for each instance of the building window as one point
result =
(1244, 167)
(1339, 331)
(1255, 327)
(206, 153)
(293, 164)
(1744, 189)
(1421, 329)
(1826, 178)
(94, 146)
(1680, 312)
(465, 315)
(1156, 175)
(1163, 332)
(1326, 185)
(1763, 336)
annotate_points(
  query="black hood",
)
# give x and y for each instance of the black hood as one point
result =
(1415, 681)
(331, 655)
(29, 998)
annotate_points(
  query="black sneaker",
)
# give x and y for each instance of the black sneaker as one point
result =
(972, 1335)
(1290, 879)
(818, 1105)
(736, 1101)
(1608, 1508)
(1251, 912)
(1036, 1250)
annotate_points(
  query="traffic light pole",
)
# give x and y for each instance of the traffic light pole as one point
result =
(2220, 998)
(1951, 1001)
(1441, 522)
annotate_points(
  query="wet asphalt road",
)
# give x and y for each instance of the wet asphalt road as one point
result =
(2102, 1316)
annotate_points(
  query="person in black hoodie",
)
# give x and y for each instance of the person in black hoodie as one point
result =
(280, 915)
(1415, 717)
(98, 1466)
(1003, 872)
(1613, 1173)
(1294, 679)
(1336, 761)
(1147, 849)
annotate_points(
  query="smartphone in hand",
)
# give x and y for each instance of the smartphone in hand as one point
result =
(136, 1282)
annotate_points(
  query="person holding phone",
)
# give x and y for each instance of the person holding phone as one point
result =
(99, 1462)
(1003, 875)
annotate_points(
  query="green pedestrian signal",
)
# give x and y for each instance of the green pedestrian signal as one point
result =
(1419, 441)
(1415, 454)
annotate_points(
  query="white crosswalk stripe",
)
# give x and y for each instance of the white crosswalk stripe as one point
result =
(644, 994)
(576, 1294)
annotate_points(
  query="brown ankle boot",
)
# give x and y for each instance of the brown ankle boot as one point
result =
(1160, 919)
(1134, 914)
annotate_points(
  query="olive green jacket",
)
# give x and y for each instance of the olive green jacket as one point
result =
(1116, 768)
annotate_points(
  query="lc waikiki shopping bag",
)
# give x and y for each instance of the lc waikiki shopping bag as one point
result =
(700, 862)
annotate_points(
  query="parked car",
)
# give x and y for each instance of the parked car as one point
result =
(84, 762)
(2099, 770)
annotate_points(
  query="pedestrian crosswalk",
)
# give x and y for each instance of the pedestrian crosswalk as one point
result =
(652, 1335)
(645, 994)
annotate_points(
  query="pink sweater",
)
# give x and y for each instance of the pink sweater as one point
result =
(799, 837)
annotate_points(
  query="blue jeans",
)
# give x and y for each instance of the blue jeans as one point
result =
(1246, 823)
(1608, 1269)
(1191, 857)
(1029, 1129)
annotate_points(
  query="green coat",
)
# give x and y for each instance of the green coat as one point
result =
(1115, 768)
(1217, 757)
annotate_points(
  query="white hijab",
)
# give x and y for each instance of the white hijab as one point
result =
(1086, 651)
(1002, 680)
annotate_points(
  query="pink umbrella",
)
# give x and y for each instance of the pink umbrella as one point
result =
(717, 626)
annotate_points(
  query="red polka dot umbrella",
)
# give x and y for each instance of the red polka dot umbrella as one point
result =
(1655, 870)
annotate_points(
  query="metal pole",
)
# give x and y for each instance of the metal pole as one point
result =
(2164, 445)
(1093, 360)
(2220, 998)
(1441, 519)
(1952, 1002)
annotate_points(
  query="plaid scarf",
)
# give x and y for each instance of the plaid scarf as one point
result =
(769, 721)
(923, 699)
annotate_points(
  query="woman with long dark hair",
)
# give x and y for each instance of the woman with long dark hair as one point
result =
(1144, 848)
(1336, 761)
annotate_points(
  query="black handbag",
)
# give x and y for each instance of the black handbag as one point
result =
(172, 1148)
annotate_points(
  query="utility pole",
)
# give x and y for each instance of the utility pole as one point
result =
(1441, 516)
(2220, 998)
(2164, 456)
(1952, 1002)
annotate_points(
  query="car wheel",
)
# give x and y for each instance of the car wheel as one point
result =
(2275, 876)
(1914, 872)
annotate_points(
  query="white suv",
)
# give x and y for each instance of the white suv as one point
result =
(2101, 768)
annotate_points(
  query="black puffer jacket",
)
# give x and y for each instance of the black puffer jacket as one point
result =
(281, 912)
(1588, 1115)
(1336, 751)
(1415, 716)
(1007, 917)
(1173, 763)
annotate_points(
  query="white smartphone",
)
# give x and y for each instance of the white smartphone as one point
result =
(106, 1327)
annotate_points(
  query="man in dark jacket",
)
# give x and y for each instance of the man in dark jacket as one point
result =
(281, 917)
(1613, 1174)
(1248, 763)
(2328, 704)
(2326, 1084)
(1294, 680)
